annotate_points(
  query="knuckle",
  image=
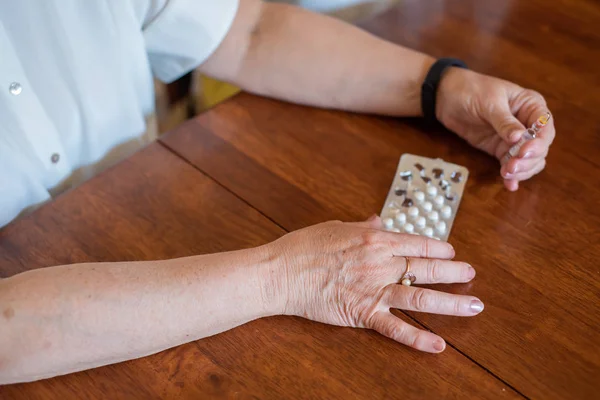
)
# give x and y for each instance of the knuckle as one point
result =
(436, 271)
(534, 94)
(371, 238)
(397, 332)
(457, 308)
(420, 300)
(414, 342)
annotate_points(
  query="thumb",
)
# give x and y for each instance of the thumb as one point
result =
(506, 125)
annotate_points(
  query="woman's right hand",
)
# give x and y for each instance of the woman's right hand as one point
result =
(348, 274)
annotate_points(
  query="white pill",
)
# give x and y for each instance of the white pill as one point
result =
(420, 222)
(419, 196)
(433, 216)
(438, 201)
(400, 218)
(427, 206)
(440, 226)
(446, 211)
(413, 212)
(388, 223)
(431, 191)
(428, 232)
(409, 228)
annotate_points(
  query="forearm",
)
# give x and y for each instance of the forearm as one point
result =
(68, 318)
(303, 57)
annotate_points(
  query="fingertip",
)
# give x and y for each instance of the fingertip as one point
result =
(528, 154)
(511, 185)
(429, 342)
(515, 136)
(510, 168)
(476, 306)
(471, 273)
(446, 251)
(531, 149)
(439, 345)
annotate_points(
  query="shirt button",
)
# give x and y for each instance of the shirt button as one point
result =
(55, 157)
(15, 88)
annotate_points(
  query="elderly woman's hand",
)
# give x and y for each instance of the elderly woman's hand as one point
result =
(348, 274)
(492, 114)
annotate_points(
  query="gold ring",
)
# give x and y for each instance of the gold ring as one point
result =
(408, 278)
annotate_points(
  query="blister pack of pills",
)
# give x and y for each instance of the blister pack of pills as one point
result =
(424, 197)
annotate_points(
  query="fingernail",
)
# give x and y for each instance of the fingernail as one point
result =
(476, 306)
(529, 154)
(439, 345)
(515, 136)
(514, 169)
(471, 272)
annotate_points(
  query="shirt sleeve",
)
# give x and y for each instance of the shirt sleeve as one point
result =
(184, 33)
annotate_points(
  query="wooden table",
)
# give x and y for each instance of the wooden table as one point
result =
(251, 169)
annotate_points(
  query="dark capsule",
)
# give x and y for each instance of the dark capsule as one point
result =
(450, 196)
(444, 184)
(456, 177)
(438, 173)
(419, 167)
(426, 179)
(400, 192)
(407, 203)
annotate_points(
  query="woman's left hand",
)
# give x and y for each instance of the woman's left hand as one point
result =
(492, 114)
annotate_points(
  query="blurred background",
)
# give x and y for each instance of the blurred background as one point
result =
(194, 93)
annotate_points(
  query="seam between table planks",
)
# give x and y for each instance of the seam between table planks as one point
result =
(422, 325)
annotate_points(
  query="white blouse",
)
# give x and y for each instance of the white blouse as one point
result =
(76, 83)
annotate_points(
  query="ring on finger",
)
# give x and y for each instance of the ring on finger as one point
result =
(408, 278)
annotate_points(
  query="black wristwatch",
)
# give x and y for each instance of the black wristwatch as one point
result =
(431, 83)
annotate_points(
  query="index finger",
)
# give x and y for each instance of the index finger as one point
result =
(403, 244)
(406, 245)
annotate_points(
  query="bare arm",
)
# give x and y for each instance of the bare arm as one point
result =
(292, 54)
(69, 318)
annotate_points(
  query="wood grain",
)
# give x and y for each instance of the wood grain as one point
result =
(536, 250)
(154, 206)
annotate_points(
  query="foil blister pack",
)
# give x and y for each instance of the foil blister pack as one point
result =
(424, 197)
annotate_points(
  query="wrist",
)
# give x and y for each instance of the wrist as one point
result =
(444, 92)
(273, 276)
(433, 87)
(425, 67)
